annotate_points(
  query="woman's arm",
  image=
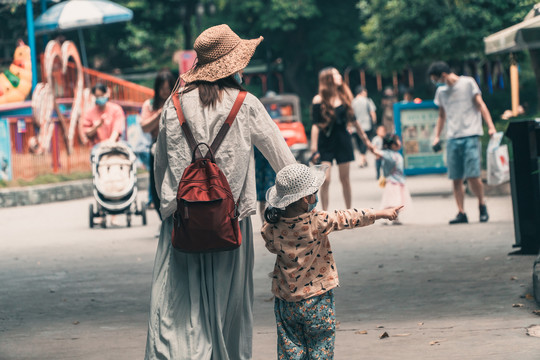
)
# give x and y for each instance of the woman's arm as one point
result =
(363, 135)
(149, 119)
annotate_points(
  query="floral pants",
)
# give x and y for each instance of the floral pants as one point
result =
(306, 329)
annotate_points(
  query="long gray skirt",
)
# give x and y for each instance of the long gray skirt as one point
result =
(201, 304)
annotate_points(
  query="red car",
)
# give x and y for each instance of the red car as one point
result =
(286, 112)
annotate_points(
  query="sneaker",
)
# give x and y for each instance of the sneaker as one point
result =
(484, 216)
(461, 218)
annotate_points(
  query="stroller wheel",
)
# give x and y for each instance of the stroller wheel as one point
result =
(104, 221)
(91, 215)
(143, 213)
(128, 220)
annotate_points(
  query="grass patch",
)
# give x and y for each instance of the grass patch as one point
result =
(46, 179)
(53, 179)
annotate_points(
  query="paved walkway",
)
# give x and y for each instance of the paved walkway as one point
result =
(438, 291)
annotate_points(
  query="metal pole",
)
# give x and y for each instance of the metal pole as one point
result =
(83, 48)
(43, 9)
(31, 40)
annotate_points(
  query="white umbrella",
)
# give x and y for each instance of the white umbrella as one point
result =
(79, 14)
(522, 36)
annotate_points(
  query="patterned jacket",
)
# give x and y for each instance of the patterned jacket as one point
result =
(305, 266)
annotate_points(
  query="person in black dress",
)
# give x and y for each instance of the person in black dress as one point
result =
(330, 140)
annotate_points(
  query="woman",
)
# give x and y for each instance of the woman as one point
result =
(201, 303)
(331, 114)
(150, 114)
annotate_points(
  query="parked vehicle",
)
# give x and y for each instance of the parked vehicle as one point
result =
(286, 112)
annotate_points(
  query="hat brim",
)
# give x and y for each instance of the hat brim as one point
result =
(319, 175)
(226, 65)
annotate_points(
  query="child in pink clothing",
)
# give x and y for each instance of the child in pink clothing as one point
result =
(305, 272)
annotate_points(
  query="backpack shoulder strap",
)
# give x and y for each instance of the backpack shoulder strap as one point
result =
(184, 125)
(228, 122)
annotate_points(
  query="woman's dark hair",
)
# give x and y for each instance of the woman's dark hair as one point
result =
(272, 214)
(390, 140)
(210, 92)
(438, 67)
(164, 76)
(99, 86)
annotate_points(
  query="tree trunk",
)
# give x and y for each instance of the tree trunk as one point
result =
(535, 62)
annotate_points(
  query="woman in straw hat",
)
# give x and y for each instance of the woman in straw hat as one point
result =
(201, 304)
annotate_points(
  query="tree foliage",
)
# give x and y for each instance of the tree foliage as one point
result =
(398, 34)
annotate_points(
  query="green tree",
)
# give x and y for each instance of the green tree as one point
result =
(398, 34)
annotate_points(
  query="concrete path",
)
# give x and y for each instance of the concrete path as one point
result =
(439, 292)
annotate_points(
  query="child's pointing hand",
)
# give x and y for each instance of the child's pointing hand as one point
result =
(390, 213)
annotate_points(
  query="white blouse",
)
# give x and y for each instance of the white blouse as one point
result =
(253, 126)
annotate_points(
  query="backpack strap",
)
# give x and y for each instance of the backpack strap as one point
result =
(222, 132)
(228, 122)
(185, 127)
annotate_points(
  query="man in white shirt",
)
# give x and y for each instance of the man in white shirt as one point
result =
(364, 111)
(462, 108)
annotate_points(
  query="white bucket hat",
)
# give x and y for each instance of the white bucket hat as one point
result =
(293, 182)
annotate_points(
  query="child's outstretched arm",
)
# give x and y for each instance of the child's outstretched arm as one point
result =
(344, 219)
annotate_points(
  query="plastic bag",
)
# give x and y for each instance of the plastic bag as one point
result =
(498, 166)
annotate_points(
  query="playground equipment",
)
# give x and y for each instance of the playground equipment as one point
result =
(44, 99)
(16, 82)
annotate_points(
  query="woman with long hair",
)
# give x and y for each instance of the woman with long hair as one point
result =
(201, 303)
(332, 113)
(150, 114)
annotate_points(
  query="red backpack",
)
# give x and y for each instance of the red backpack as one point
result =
(206, 217)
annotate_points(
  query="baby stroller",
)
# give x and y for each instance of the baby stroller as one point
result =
(115, 183)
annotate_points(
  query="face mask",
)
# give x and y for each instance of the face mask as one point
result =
(101, 100)
(312, 206)
(438, 83)
(238, 78)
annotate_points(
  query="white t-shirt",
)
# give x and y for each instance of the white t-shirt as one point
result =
(463, 118)
(362, 107)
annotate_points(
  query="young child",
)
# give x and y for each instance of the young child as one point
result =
(395, 191)
(378, 144)
(305, 273)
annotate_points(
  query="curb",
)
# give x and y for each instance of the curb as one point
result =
(42, 194)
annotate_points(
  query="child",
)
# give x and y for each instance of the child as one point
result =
(395, 191)
(378, 144)
(305, 273)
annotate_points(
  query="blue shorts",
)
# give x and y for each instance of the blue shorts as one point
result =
(463, 157)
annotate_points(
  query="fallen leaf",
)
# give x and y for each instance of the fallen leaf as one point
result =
(76, 323)
(338, 324)
(380, 327)
(536, 312)
(361, 332)
(384, 335)
(533, 330)
(517, 305)
(401, 335)
(529, 297)
(435, 342)
(420, 323)
(513, 278)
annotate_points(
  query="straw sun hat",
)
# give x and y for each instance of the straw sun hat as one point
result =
(293, 182)
(220, 53)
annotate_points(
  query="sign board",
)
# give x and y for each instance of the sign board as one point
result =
(185, 60)
(6, 173)
(415, 124)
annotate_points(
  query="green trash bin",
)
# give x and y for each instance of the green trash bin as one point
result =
(525, 183)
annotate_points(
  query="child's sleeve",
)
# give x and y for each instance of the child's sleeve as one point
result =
(267, 233)
(344, 219)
